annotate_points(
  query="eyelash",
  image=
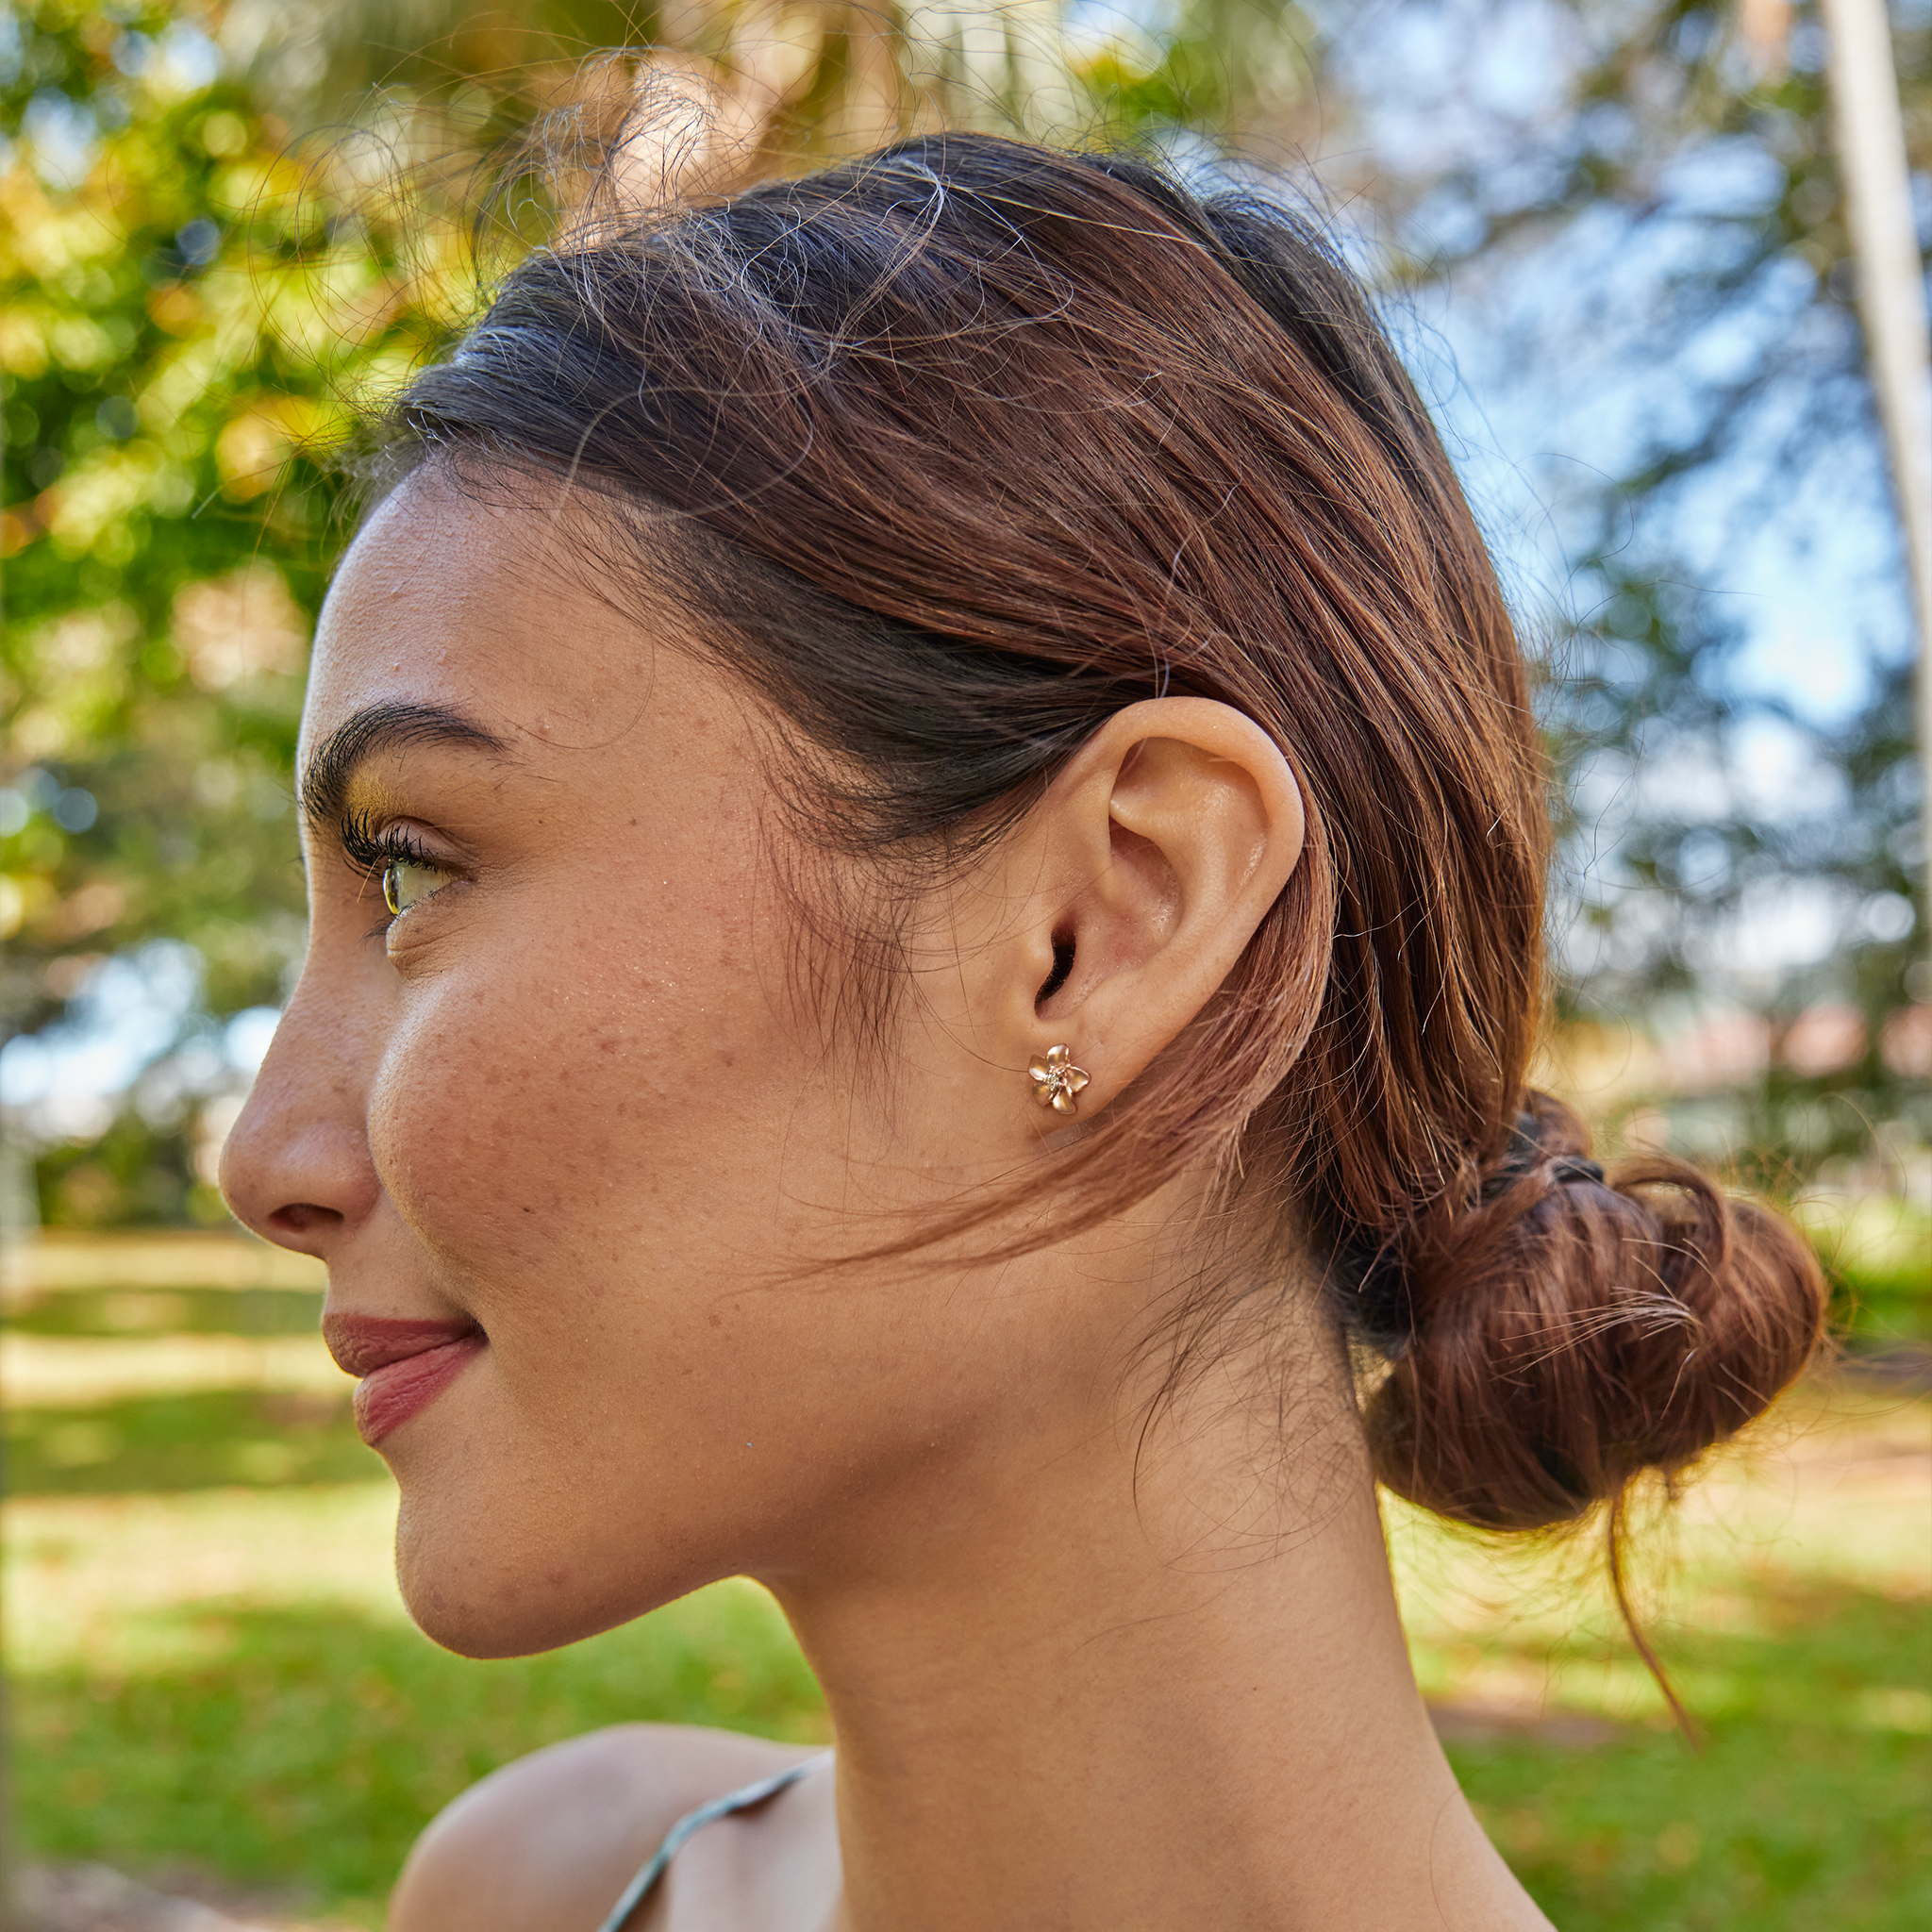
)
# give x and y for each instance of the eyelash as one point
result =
(371, 849)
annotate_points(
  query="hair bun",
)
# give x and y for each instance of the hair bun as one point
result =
(1571, 1332)
(1571, 1169)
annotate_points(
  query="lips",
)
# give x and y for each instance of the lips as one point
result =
(404, 1365)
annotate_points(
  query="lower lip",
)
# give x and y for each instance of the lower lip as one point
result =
(386, 1397)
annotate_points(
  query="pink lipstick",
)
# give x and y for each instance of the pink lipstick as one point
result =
(404, 1365)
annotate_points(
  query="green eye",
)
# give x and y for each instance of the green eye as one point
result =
(404, 883)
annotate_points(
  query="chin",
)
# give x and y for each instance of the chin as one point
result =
(485, 1599)
(471, 1631)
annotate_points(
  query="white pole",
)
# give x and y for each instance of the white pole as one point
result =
(1871, 141)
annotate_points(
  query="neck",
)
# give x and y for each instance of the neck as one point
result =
(1112, 1681)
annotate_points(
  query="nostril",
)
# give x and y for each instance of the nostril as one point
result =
(304, 1217)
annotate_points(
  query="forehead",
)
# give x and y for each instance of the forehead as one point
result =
(486, 607)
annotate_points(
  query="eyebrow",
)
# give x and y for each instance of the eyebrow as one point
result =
(329, 772)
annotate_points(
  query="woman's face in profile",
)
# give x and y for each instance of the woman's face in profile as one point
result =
(573, 1095)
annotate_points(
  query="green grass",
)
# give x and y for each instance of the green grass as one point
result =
(100, 1312)
(1805, 1808)
(1878, 1255)
(210, 1669)
(312, 1743)
(1877, 1306)
(212, 1437)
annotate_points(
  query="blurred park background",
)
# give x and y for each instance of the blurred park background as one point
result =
(1610, 236)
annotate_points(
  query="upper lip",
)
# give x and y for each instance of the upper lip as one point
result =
(364, 1343)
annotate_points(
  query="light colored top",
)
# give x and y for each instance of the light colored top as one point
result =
(743, 1799)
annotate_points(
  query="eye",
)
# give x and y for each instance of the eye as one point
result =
(407, 882)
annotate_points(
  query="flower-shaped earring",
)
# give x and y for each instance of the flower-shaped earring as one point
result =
(1057, 1081)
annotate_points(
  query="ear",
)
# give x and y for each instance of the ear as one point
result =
(1149, 865)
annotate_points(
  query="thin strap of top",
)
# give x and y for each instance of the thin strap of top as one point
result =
(742, 1800)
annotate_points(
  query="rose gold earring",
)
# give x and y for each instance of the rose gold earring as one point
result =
(1057, 1081)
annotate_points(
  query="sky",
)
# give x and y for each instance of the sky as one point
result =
(1569, 356)
(1546, 362)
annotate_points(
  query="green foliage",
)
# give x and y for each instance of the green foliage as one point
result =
(1239, 72)
(135, 1174)
(164, 531)
(190, 306)
(1751, 332)
(120, 382)
(190, 302)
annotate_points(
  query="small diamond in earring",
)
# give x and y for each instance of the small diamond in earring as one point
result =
(1057, 1081)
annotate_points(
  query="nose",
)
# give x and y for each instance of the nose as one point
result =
(297, 1166)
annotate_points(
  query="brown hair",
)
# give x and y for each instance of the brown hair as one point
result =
(956, 450)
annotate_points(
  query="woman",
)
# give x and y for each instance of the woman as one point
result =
(926, 845)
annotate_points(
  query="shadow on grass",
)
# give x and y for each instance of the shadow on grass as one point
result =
(1810, 1806)
(211, 1439)
(308, 1748)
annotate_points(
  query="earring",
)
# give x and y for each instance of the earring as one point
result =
(1057, 1081)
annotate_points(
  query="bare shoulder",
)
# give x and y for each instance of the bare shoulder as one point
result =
(553, 1839)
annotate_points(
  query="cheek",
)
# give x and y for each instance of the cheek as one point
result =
(586, 1089)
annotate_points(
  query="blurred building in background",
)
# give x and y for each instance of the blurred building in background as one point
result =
(1610, 236)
